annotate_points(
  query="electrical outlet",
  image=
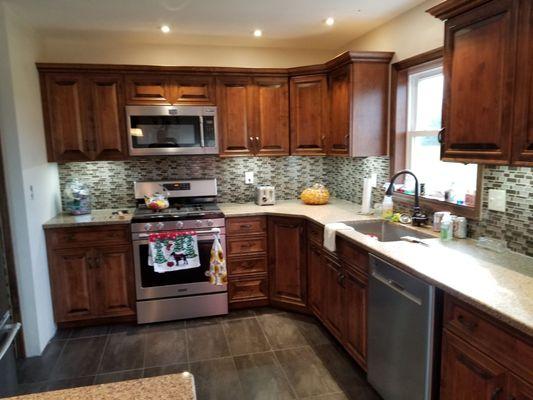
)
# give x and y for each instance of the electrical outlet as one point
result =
(497, 200)
(249, 178)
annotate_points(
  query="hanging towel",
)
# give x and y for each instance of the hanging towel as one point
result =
(173, 251)
(217, 273)
(330, 231)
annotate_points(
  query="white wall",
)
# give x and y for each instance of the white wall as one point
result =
(24, 155)
(409, 34)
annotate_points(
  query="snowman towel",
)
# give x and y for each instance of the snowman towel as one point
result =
(173, 251)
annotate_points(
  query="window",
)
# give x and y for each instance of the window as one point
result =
(417, 109)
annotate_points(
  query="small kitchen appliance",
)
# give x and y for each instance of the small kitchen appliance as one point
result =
(185, 293)
(265, 195)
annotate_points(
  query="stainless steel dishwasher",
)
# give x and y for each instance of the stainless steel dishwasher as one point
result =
(401, 324)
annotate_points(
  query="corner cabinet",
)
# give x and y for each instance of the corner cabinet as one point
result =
(287, 262)
(487, 103)
(91, 274)
(84, 118)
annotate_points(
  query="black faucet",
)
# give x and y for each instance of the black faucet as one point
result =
(418, 218)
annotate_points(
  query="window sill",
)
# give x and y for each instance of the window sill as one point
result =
(438, 205)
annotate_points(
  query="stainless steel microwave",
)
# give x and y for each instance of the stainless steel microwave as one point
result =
(172, 130)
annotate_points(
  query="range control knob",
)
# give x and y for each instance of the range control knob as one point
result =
(198, 223)
(148, 227)
(179, 224)
(210, 222)
(160, 225)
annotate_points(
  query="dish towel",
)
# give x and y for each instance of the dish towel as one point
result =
(330, 231)
(173, 251)
(217, 273)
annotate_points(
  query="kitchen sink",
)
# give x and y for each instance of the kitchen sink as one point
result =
(386, 231)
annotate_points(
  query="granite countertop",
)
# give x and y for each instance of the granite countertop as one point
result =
(500, 284)
(176, 387)
(96, 217)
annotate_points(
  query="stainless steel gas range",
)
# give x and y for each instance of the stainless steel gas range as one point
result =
(186, 293)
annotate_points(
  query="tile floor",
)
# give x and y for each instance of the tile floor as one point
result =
(249, 354)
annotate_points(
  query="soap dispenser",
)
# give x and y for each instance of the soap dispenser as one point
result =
(386, 207)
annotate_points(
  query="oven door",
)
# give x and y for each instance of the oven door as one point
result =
(153, 285)
(163, 130)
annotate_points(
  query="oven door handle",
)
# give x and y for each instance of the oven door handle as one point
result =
(199, 233)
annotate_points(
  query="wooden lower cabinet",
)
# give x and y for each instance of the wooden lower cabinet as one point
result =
(316, 276)
(287, 262)
(518, 389)
(334, 317)
(355, 285)
(248, 290)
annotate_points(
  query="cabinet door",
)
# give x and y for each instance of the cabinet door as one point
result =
(287, 261)
(271, 114)
(338, 141)
(315, 279)
(193, 90)
(518, 389)
(468, 374)
(479, 65)
(65, 114)
(355, 314)
(523, 122)
(107, 116)
(115, 283)
(235, 116)
(72, 279)
(148, 90)
(333, 316)
(309, 114)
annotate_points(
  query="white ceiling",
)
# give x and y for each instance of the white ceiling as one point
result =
(285, 23)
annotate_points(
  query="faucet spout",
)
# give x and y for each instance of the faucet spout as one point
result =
(418, 218)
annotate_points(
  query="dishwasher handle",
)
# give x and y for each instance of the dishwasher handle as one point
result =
(13, 330)
(397, 288)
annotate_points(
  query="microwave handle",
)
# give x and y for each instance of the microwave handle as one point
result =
(202, 139)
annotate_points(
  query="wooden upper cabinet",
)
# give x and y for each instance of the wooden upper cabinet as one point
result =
(467, 374)
(523, 121)
(65, 114)
(148, 89)
(309, 114)
(107, 117)
(193, 90)
(235, 115)
(271, 116)
(287, 261)
(338, 141)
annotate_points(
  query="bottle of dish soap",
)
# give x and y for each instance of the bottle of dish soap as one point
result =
(446, 227)
(386, 207)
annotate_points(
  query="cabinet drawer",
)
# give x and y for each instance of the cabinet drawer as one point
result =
(315, 233)
(247, 245)
(352, 255)
(512, 350)
(248, 289)
(245, 225)
(82, 237)
(242, 266)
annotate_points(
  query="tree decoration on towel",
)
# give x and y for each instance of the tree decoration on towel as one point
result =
(173, 251)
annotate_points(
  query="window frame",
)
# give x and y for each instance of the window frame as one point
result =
(399, 133)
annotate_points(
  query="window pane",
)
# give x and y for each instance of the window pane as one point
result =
(429, 103)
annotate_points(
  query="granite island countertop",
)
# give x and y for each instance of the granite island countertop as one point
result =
(500, 284)
(168, 387)
(96, 217)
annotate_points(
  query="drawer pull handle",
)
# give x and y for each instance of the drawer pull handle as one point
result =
(471, 326)
(496, 393)
(246, 226)
(473, 367)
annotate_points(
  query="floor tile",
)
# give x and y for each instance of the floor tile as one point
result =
(123, 351)
(89, 331)
(217, 379)
(165, 370)
(281, 331)
(267, 310)
(192, 323)
(245, 336)
(262, 377)
(162, 326)
(165, 347)
(79, 357)
(312, 331)
(239, 314)
(62, 334)
(38, 369)
(70, 383)
(333, 396)
(206, 341)
(119, 376)
(306, 373)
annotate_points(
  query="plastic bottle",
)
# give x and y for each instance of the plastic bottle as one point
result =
(446, 227)
(386, 207)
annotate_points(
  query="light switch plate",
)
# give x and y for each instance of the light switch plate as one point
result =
(249, 178)
(497, 199)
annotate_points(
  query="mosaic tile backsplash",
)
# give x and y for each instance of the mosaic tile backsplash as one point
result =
(111, 184)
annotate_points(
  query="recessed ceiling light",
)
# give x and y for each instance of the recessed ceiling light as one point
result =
(330, 21)
(258, 33)
(165, 29)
